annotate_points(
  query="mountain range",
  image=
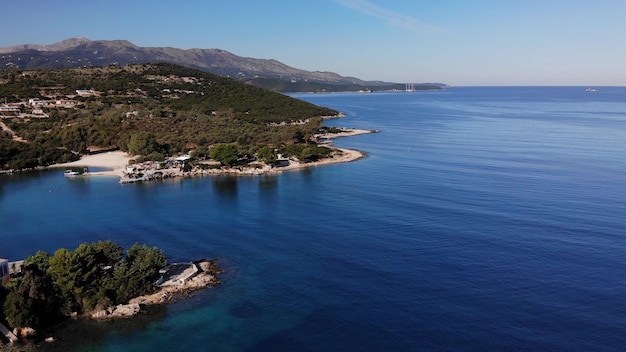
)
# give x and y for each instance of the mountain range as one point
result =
(271, 74)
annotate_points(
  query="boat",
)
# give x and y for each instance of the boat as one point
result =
(591, 90)
(71, 173)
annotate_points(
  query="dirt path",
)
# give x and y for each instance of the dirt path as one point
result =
(13, 134)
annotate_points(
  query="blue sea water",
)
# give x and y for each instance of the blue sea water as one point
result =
(483, 219)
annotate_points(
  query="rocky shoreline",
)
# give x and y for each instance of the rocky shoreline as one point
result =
(151, 171)
(204, 275)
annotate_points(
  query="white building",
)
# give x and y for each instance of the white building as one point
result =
(85, 92)
(9, 110)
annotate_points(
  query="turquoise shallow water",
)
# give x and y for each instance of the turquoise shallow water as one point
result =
(482, 219)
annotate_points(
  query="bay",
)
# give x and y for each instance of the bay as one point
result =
(483, 218)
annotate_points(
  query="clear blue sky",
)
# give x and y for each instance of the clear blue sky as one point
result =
(459, 42)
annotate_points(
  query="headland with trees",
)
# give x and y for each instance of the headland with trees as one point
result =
(49, 289)
(154, 111)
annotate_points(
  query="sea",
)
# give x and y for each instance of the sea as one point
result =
(481, 219)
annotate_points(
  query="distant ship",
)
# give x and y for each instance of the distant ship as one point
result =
(591, 90)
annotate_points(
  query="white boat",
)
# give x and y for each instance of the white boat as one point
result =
(71, 173)
(591, 90)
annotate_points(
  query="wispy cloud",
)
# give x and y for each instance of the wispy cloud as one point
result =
(393, 18)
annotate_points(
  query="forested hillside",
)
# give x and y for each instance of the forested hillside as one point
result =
(160, 109)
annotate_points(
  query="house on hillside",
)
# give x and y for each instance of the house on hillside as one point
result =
(66, 103)
(6, 110)
(85, 92)
(37, 102)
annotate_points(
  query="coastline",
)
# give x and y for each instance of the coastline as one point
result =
(204, 274)
(117, 161)
(345, 156)
(346, 132)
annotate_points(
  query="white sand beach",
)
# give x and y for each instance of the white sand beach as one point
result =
(116, 161)
(347, 132)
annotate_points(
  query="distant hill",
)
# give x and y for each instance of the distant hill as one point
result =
(82, 52)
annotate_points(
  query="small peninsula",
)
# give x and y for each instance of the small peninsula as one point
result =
(157, 113)
(95, 281)
(122, 165)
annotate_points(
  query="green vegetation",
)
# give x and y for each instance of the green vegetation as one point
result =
(154, 110)
(225, 154)
(307, 153)
(267, 154)
(15, 155)
(93, 276)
